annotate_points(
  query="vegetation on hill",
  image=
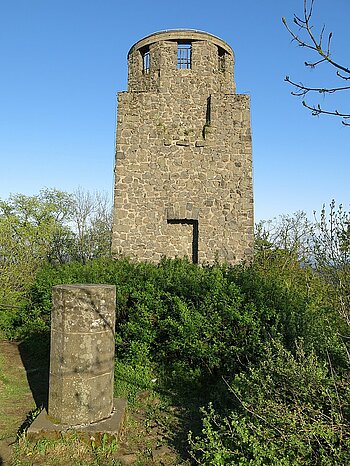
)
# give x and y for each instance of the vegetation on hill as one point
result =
(256, 354)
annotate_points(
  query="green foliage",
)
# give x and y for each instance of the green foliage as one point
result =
(273, 339)
(202, 322)
(331, 252)
(52, 227)
(287, 410)
(265, 342)
(29, 225)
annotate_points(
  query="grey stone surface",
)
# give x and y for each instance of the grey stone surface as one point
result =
(183, 139)
(44, 427)
(82, 354)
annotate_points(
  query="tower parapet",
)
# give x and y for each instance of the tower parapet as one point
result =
(161, 60)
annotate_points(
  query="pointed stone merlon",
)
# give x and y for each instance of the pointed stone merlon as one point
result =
(82, 354)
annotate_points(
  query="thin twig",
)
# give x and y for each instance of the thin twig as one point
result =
(251, 411)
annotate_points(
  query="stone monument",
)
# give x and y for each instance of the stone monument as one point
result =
(183, 172)
(81, 365)
(82, 353)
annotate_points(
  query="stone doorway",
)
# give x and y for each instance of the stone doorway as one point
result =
(194, 224)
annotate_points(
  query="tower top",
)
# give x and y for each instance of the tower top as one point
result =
(185, 35)
(176, 59)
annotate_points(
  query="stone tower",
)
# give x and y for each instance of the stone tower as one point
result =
(183, 173)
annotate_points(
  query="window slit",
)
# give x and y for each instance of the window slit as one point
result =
(221, 59)
(145, 60)
(208, 112)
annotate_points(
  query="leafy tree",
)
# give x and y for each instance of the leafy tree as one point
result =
(288, 233)
(31, 228)
(320, 44)
(52, 227)
(331, 252)
(312, 254)
(91, 221)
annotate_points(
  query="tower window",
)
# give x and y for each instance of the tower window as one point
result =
(221, 57)
(145, 60)
(184, 56)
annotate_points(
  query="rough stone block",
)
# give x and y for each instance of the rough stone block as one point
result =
(44, 427)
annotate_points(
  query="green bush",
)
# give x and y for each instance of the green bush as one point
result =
(287, 410)
(261, 342)
(293, 302)
(200, 321)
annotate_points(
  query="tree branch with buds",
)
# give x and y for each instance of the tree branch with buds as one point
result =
(322, 47)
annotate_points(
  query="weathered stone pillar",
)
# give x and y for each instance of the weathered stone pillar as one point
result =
(82, 354)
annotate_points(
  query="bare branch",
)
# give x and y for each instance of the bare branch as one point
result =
(329, 43)
(314, 64)
(308, 16)
(342, 76)
(321, 35)
(321, 90)
(300, 42)
(314, 43)
(315, 111)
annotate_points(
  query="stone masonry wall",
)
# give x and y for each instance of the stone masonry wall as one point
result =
(183, 174)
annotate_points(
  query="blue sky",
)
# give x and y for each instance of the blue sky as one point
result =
(62, 62)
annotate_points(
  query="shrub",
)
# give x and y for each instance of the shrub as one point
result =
(287, 410)
(200, 321)
(268, 331)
